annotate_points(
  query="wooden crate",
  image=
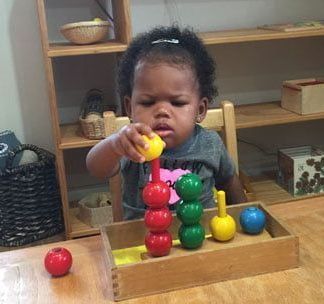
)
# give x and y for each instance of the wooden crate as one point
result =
(303, 96)
(301, 170)
(275, 249)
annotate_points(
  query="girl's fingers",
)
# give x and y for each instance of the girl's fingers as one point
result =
(130, 151)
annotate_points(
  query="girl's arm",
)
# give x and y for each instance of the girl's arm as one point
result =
(234, 191)
(103, 159)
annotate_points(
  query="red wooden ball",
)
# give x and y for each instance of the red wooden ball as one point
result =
(158, 243)
(158, 219)
(156, 195)
(58, 261)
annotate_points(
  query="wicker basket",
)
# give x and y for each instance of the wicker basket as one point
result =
(30, 203)
(85, 32)
(95, 209)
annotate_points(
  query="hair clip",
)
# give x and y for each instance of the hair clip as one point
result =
(174, 41)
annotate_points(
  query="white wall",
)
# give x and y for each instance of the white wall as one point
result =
(247, 72)
(23, 101)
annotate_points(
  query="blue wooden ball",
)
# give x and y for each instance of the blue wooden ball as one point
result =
(252, 220)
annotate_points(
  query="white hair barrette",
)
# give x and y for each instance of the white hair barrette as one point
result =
(174, 41)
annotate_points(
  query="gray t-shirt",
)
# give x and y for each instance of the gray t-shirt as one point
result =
(203, 154)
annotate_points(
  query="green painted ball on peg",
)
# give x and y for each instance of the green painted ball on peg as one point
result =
(189, 213)
(189, 187)
(192, 236)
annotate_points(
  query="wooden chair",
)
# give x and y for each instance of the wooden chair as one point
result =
(221, 119)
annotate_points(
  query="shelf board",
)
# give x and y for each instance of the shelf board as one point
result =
(247, 116)
(267, 190)
(254, 34)
(79, 228)
(72, 137)
(267, 114)
(209, 38)
(68, 49)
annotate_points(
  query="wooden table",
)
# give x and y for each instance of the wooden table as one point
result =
(24, 280)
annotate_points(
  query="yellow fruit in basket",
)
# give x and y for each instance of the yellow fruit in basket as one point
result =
(97, 19)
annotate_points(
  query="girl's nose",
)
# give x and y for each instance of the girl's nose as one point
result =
(162, 110)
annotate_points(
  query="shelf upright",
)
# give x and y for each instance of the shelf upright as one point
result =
(122, 31)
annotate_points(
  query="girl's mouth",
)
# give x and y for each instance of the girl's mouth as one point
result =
(163, 130)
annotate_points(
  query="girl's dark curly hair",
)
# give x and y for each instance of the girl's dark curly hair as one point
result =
(189, 51)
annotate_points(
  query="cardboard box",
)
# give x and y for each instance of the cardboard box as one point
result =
(303, 96)
(273, 250)
(301, 170)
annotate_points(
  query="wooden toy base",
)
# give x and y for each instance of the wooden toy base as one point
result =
(240, 238)
(246, 255)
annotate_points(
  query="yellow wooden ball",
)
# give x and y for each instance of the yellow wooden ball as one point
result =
(156, 145)
(222, 228)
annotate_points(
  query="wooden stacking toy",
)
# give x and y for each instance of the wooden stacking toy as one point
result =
(189, 211)
(156, 195)
(222, 226)
(252, 220)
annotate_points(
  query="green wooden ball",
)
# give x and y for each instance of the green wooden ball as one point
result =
(189, 187)
(189, 213)
(192, 236)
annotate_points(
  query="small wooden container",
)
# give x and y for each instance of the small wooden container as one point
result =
(301, 170)
(303, 96)
(246, 255)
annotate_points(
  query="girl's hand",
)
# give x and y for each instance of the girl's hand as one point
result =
(125, 141)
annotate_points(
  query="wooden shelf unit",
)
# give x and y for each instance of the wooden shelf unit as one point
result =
(69, 136)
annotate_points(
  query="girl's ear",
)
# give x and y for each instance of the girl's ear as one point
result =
(128, 106)
(202, 109)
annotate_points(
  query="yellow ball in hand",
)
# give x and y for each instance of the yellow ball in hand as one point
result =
(156, 145)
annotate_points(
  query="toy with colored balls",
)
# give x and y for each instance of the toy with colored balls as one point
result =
(252, 220)
(191, 236)
(189, 211)
(158, 243)
(189, 187)
(156, 145)
(58, 261)
(222, 226)
(156, 194)
(158, 219)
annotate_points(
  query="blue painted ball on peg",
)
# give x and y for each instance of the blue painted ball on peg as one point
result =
(252, 220)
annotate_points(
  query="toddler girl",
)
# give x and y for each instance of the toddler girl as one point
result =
(166, 81)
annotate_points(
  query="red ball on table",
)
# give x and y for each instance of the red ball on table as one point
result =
(158, 243)
(156, 194)
(58, 261)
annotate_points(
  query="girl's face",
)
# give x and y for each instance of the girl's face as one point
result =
(166, 97)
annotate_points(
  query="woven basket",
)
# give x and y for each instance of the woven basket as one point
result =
(95, 209)
(30, 204)
(93, 126)
(85, 32)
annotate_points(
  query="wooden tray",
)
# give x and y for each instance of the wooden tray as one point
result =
(275, 249)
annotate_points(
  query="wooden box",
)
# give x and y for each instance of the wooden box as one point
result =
(273, 250)
(303, 96)
(301, 170)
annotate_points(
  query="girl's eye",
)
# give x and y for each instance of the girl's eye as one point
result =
(178, 103)
(146, 103)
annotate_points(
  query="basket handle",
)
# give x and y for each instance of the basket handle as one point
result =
(12, 154)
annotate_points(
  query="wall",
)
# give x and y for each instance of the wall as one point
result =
(247, 72)
(23, 102)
